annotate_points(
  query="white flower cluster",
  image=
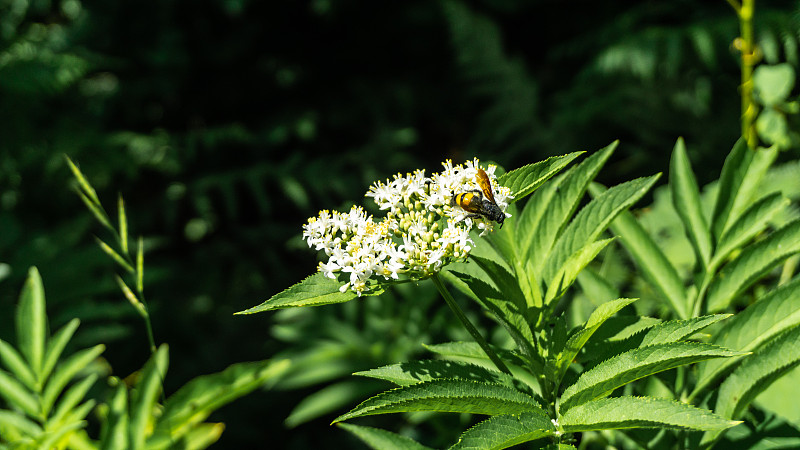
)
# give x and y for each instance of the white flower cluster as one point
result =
(420, 234)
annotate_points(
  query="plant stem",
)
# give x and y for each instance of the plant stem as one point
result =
(749, 113)
(451, 302)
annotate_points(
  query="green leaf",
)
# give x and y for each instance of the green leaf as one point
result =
(754, 262)
(503, 280)
(756, 373)
(507, 313)
(114, 432)
(676, 330)
(505, 431)
(15, 421)
(751, 222)
(686, 198)
(413, 372)
(576, 342)
(84, 185)
(635, 364)
(774, 313)
(145, 396)
(56, 344)
(114, 255)
(17, 396)
(773, 128)
(773, 83)
(71, 398)
(330, 399)
(123, 225)
(738, 183)
(652, 262)
(526, 179)
(140, 266)
(97, 211)
(472, 350)
(65, 372)
(382, 439)
(315, 290)
(593, 220)
(640, 412)
(31, 321)
(17, 365)
(447, 396)
(568, 272)
(546, 213)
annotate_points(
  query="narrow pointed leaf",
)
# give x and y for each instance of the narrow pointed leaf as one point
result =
(31, 321)
(16, 395)
(686, 198)
(413, 372)
(66, 371)
(555, 213)
(71, 398)
(752, 264)
(56, 344)
(84, 185)
(526, 179)
(131, 297)
(505, 431)
(17, 421)
(775, 313)
(751, 222)
(123, 225)
(330, 399)
(652, 262)
(472, 350)
(382, 439)
(757, 372)
(593, 219)
(145, 396)
(114, 433)
(676, 330)
(97, 211)
(315, 290)
(197, 399)
(568, 272)
(741, 173)
(16, 364)
(447, 396)
(640, 412)
(635, 364)
(576, 342)
(114, 255)
(140, 266)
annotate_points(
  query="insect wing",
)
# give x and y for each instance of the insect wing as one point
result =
(485, 184)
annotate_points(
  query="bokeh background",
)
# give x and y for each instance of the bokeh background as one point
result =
(226, 123)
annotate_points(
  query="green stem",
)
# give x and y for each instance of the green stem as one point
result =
(451, 302)
(745, 13)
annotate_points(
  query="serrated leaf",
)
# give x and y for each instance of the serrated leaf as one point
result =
(382, 439)
(738, 183)
(568, 272)
(593, 220)
(145, 396)
(504, 431)
(503, 280)
(640, 412)
(201, 396)
(527, 178)
(652, 262)
(576, 342)
(751, 222)
(686, 198)
(315, 290)
(31, 321)
(447, 396)
(635, 364)
(774, 313)
(472, 350)
(413, 372)
(550, 213)
(675, 330)
(507, 313)
(752, 264)
(756, 373)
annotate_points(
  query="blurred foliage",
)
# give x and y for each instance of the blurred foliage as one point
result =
(225, 123)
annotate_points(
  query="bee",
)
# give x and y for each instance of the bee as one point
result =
(480, 203)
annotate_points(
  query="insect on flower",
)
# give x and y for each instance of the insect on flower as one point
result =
(480, 203)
